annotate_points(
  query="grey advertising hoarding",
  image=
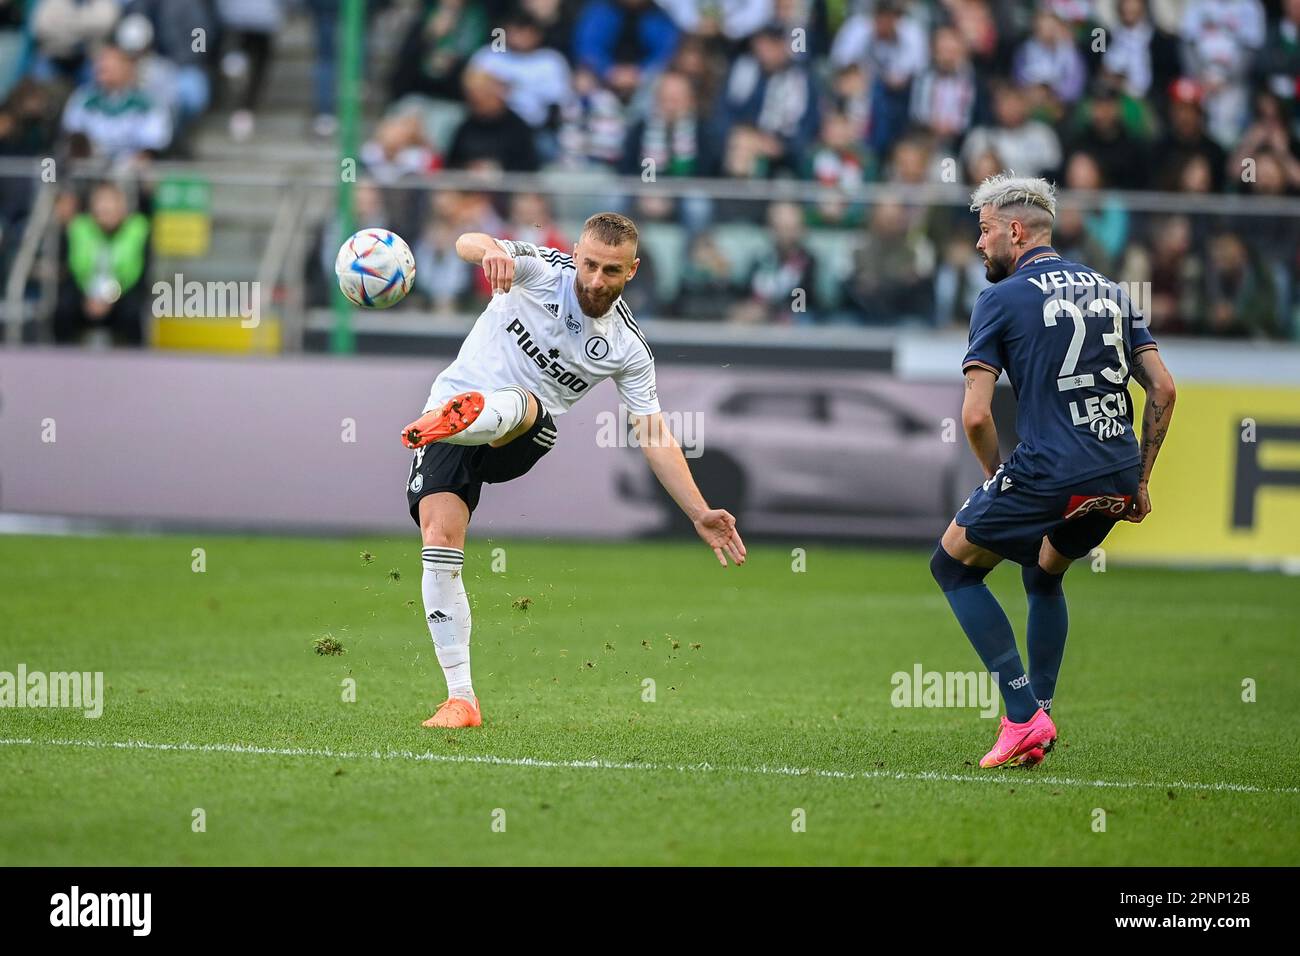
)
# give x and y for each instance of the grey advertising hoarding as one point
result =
(312, 443)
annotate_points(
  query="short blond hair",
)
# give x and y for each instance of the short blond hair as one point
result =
(611, 229)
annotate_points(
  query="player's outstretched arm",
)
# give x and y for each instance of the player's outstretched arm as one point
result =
(716, 527)
(977, 418)
(480, 249)
(1149, 369)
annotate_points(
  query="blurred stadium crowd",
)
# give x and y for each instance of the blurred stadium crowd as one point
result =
(1186, 98)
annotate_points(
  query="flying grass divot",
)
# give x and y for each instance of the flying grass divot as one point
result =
(327, 646)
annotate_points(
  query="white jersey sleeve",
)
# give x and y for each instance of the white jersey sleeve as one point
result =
(535, 266)
(636, 379)
(636, 387)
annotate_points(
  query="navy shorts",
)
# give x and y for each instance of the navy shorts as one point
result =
(462, 469)
(1011, 519)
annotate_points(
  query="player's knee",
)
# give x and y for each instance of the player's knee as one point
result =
(443, 521)
(951, 574)
(1051, 560)
(441, 538)
(1041, 582)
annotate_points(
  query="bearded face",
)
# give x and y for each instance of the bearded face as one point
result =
(602, 272)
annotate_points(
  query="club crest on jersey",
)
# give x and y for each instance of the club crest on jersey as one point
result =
(597, 347)
(1081, 505)
(417, 483)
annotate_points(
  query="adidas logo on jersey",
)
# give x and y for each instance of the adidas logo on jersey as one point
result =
(437, 617)
(553, 308)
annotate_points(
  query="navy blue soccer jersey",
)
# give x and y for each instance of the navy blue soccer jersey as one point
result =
(1066, 336)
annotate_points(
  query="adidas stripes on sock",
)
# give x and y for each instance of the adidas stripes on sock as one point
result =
(446, 611)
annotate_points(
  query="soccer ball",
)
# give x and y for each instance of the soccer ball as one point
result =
(375, 268)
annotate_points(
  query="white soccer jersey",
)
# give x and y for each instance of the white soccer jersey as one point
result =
(537, 336)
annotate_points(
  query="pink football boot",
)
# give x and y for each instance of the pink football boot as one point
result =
(1019, 740)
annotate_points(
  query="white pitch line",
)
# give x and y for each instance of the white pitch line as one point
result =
(1030, 777)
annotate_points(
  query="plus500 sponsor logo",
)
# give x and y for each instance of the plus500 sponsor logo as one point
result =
(544, 362)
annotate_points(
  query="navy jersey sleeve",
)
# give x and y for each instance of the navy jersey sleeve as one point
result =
(1139, 332)
(985, 348)
(1141, 335)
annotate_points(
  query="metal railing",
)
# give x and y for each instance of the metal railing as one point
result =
(280, 264)
(306, 198)
(34, 233)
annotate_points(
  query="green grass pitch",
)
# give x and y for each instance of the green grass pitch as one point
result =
(772, 696)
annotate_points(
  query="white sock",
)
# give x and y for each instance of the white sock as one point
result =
(503, 410)
(446, 611)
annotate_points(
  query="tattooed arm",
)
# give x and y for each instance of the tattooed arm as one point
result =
(1149, 369)
(977, 417)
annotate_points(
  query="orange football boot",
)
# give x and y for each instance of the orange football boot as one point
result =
(456, 712)
(452, 419)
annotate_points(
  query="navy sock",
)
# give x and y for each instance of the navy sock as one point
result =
(1049, 621)
(987, 628)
